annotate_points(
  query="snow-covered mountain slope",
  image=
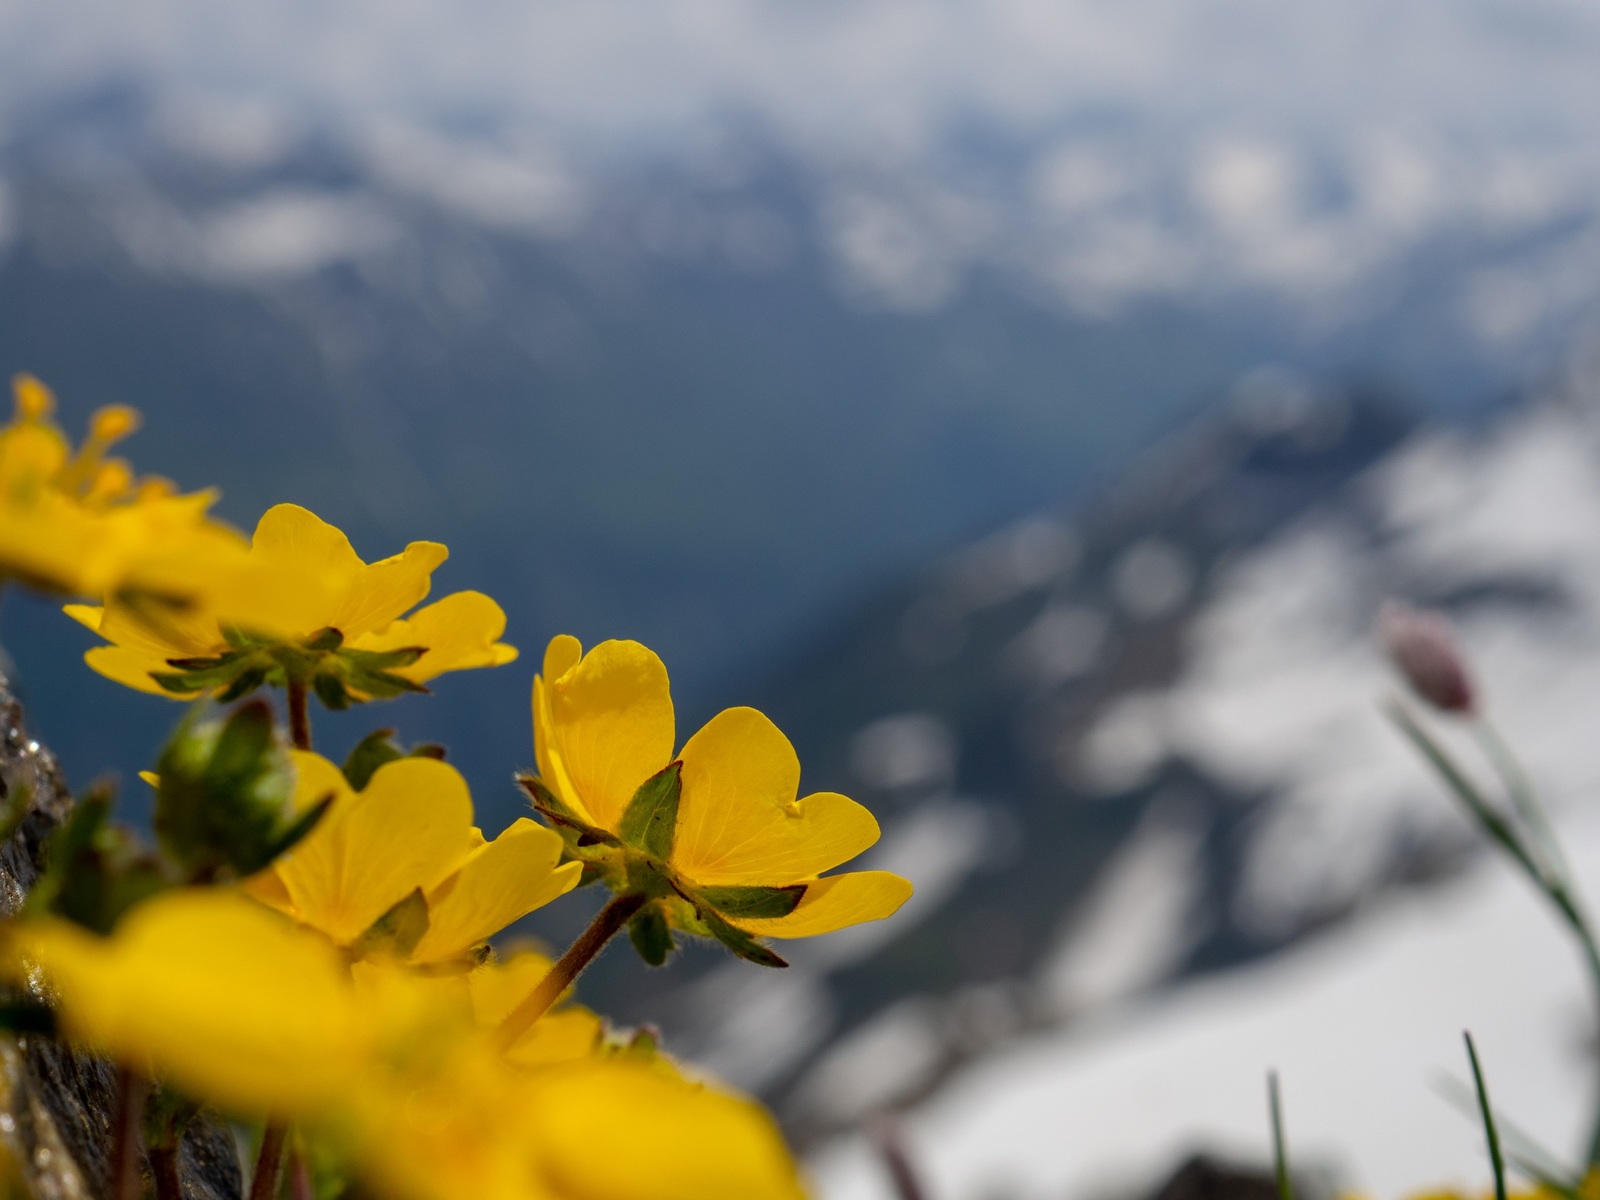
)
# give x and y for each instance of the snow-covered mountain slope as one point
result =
(1363, 1025)
(1161, 725)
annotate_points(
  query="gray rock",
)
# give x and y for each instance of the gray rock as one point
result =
(55, 1106)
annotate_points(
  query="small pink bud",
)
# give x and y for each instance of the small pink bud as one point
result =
(1422, 644)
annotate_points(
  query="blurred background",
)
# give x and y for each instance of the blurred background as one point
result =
(1027, 404)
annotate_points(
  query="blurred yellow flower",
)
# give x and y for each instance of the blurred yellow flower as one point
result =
(613, 1127)
(322, 617)
(715, 834)
(207, 990)
(399, 870)
(210, 990)
(82, 524)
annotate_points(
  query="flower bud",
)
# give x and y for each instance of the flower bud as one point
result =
(1422, 644)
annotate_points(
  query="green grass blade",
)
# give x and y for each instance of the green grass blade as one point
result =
(1495, 1157)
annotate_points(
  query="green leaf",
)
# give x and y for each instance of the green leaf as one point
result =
(397, 932)
(375, 750)
(650, 934)
(754, 903)
(737, 940)
(1491, 1134)
(651, 820)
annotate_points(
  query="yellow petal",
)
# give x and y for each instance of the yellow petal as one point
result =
(566, 1035)
(560, 1036)
(267, 886)
(299, 569)
(501, 881)
(408, 829)
(212, 991)
(610, 728)
(738, 822)
(297, 537)
(130, 668)
(561, 655)
(684, 1141)
(457, 633)
(836, 902)
(388, 589)
(316, 778)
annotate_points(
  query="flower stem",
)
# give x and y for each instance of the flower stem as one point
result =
(299, 715)
(607, 923)
(300, 1176)
(123, 1169)
(164, 1168)
(269, 1163)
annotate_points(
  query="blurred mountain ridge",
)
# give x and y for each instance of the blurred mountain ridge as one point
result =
(1124, 745)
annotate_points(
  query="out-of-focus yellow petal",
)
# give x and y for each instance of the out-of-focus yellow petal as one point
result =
(836, 902)
(738, 822)
(388, 589)
(499, 987)
(211, 991)
(610, 728)
(501, 881)
(316, 777)
(408, 829)
(567, 1035)
(560, 1036)
(683, 1141)
(458, 632)
(130, 668)
(267, 887)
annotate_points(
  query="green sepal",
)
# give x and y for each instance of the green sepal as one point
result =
(397, 932)
(651, 820)
(324, 640)
(645, 1042)
(24, 1014)
(331, 692)
(754, 903)
(547, 804)
(385, 660)
(376, 750)
(244, 683)
(379, 749)
(651, 935)
(741, 943)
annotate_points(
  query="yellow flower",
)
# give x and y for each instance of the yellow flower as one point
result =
(611, 1127)
(399, 869)
(237, 1007)
(322, 618)
(82, 524)
(714, 835)
(210, 990)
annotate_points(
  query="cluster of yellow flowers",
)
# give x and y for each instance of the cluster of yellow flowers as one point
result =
(308, 948)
